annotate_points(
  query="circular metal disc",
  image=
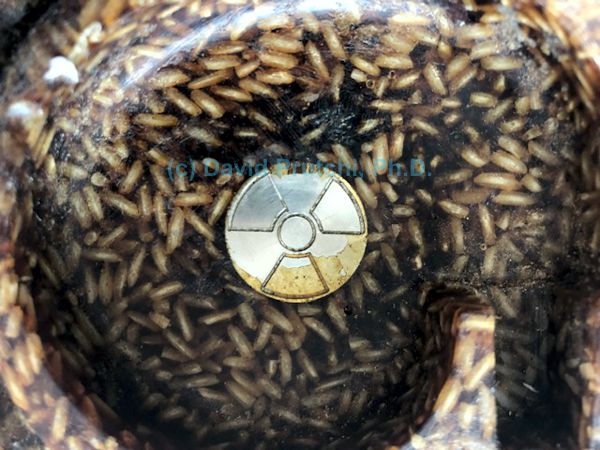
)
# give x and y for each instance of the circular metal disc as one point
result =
(296, 237)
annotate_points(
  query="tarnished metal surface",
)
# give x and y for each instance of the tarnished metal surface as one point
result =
(296, 237)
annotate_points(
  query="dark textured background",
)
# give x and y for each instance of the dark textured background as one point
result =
(16, 18)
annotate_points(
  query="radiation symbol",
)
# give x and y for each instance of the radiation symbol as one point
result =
(296, 237)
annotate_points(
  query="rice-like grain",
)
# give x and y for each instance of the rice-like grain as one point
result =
(501, 63)
(458, 236)
(190, 199)
(220, 206)
(398, 42)
(278, 60)
(211, 79)
(454, 177)
(228, 48)
(487, 225)
(199, 225)
(522, 106)
(160, 214)
(208, 104)
(483, 99)
(175, 230)
(513, 146)
(113, 237)
(275, 21)
(390, 259)
(462, 79)
(365, 192)
(14, 323)
(101, 255)
(466, 414)
(315, 401)
(218, 316)
(184, 322)
(262, 337)
(179, 344)
(337, 316)
(473, 32)
(422, 35)
(454, 209)
(508, 162)
(543, 154)
(474, 378)
(116, 329)
(456, 65)
(381, 154)
(488, 267)
(389, 192)
(514, 199)
(247, 316)
(270, 388)
(333, 41)
(157, 170)
(372, 355)
(434, 79)
(81, 210)
(415, 233)
(232, 93)
(182, 102)
(145, 202)
(99, 180)
(240, 394)
(473, 157)
(483, 50)
(406, 80)
(246, 382)
(275, 77)
(156, 120)
(447, 397)
(358, 403)
(365, 66)
(307, 365)
(513, 126)
(359, 76)
(256, 87)
(285, 366)
(494, 114)
(319, 328)
(394, 61)
(419, 123)
(531, 183)
(167, 78)
(286, 415)
(221, 62)
(127, 207)
(73, 171)
(315, 58)
(132, 178)
(276, 318)
(497, 180)
(60, 420)
(240, 340)
(281, 43)
(452, 118)
(247, 68)
(370, 283)
(504, 303)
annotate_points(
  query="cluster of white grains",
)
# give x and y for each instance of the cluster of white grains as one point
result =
(138, 262)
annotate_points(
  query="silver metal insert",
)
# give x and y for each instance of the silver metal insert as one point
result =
(296, 237)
